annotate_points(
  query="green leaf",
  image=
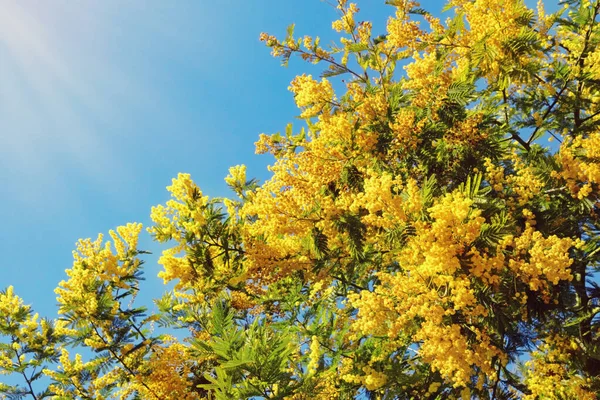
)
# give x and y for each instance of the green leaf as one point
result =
(357, 47)
(290, 32)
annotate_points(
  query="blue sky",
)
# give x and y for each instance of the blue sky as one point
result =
(103, 102)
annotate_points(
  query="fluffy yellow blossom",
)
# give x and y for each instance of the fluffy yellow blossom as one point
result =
(314, 355)
(427, 80)
(549, 376)
(9, 302)
(525, 183)
(429, 290)
(237, 178)
(94, 264)
(166, 374)
(346, 22)
(373, 379)
(491, 26)
(312, 96)
(547, 259)
(579, 168)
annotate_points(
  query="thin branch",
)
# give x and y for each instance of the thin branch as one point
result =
(345, 282)
(584, 120)
(329, 60)
(548, 111)
(115, 355)
(514, 135)
(133, 324)
(25, 375)
(493, 397)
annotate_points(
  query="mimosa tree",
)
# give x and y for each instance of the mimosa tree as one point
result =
(419, 237)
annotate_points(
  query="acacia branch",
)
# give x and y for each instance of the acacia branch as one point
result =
(29, 382)
(329, 60)
(514, 135)
(122, 362)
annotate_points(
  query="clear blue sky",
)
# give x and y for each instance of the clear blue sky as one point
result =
(103, 102)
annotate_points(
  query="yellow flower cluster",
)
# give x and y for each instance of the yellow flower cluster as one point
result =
(491, 26)
(429, 82)
(166, 374)
(237, 178)
(372, 379)
(176, 268)
(495, 175)
(95, 264)
(183, 217)
(524, 182)
(314, 356)
(364, 31)
(274, 242)
(24, 333)
(10, 303)
(467, 132)
(385, 208)
(447, 350)
(241, 301)
(548, 376)
(579, 166)
(431, 288)
(592, 64)
(539, 260)
(404, 33)
(73, 377)
(312, 96)
(73, 370)
(406, 129)
(346, 22)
